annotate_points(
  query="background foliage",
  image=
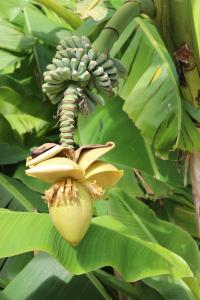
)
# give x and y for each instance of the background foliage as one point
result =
(143, 240)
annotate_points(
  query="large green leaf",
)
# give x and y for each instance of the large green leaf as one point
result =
(179, 213)
(13, 39)
(151, 91)
(44, 28)
(11, 8)
(13, 265)
(171, 290)
(32, 183)
(22, 232)
(11, 154)
(109, 124)
(6, 133)
(142, 221)
(8, 59)
(25, 115)
(47, 279)
(95, 9)
(28, 199)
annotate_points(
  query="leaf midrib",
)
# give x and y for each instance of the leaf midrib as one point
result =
(150, 37)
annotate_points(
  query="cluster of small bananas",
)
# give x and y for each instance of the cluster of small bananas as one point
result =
(77, 62)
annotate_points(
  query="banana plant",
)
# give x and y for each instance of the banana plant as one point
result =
(129, 80)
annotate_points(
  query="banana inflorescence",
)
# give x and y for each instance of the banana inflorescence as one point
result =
(75, 184)
(77, 177)
(76, 69)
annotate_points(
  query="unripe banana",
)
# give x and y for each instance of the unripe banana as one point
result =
(66, 62)
(106, 83)
(111, 71)
(85, 41)
(50, 80)
(92, 65)
(61, 73)
(70, 43)
(99, 71)
(85, 59)
(50, 67)
(77, 65)
(55, 97)
(63, 44)
(58, 55)
(107, 64)
(79, 53)
(61, 54)
(71, 53)
(58, 63)
(92, 54)
(101, 58)
(87, 47)
(77, 41)
(67, 73)
(52, 87)
(85, 76)
(54, 75)
(60, 47)
(75, 75)
(74, 64)
(103, 77)
(106, 89)
(113, 77)
(82, 68)
(95, 98)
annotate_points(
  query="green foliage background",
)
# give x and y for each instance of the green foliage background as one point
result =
(145, 229)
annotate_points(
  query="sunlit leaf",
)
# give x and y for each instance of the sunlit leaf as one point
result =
(11, 8)
(48, 279)
(141, 258)
(151, 91)
(143, 221)
(13, 39)
(95, 9)
(28, 199)
(169, 289)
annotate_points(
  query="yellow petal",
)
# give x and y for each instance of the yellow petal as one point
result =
(44, 156)
(105, 175)
(87, 157)
(73, 218)
(56, 168)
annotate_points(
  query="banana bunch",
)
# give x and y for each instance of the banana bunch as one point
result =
(76, 62)
(75, 185)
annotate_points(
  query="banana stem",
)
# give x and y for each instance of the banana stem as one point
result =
(67, 113)
(70, 17)
(124, 15)
(195, 181)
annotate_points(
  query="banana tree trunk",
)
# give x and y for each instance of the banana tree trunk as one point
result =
(179, 22)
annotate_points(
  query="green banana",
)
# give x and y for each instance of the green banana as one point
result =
(76, 68)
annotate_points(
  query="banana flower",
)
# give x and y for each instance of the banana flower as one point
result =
(76, 181)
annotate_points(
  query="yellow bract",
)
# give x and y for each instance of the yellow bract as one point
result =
(75, 184)
(56, 168)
